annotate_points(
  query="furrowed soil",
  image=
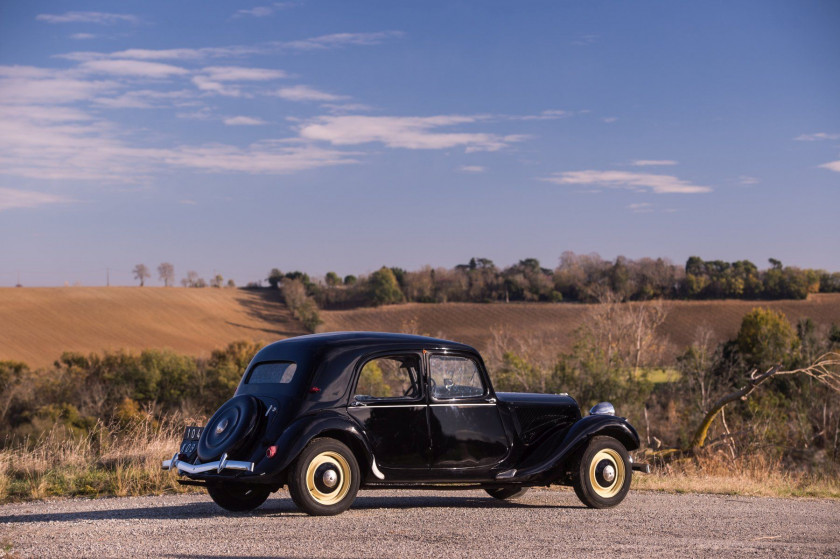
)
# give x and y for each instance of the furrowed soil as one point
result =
(38, 324)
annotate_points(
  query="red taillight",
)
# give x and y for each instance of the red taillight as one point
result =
(270, 451)
(314, 390)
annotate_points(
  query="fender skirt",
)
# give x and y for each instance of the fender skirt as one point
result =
(573, 440)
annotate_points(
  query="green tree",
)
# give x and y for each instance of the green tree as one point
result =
(766, 338)
(274, 278)
(384, 289)
(332, 279)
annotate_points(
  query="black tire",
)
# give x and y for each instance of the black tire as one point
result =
(507, 493)
(595, 484)
(310, 476)
(238, 498)
(231, 428)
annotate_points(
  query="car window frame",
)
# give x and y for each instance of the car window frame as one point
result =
(486, 395)
(390, 400)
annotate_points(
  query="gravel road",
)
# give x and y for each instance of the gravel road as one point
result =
(389, 524)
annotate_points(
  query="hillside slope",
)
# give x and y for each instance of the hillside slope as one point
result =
(38, 324)
(472, 322)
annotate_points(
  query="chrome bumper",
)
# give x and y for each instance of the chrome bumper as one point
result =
(222, 464)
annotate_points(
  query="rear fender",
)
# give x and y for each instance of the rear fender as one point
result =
(300, 433)
(578, 437)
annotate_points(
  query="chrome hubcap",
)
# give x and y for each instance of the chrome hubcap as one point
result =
(608, 473)
(220, 428)
(330, 478)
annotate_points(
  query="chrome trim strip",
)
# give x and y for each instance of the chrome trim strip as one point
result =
(218, 465)
(465, 404)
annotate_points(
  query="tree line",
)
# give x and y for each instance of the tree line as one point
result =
(578, 278)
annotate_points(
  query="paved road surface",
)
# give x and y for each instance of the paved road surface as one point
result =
(389, 524)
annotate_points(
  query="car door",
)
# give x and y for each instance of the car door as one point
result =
(465, 427)
(389, 402)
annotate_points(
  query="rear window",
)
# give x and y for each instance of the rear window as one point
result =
(272, 373)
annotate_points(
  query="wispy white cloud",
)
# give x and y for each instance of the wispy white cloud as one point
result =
(551, 114)
(147, 99)
(343, 108)
(306, 93)
(243, 121)
(132, 68)
(265, 157)
(832, 166)
(653, 162)
(817, 137)
(640, 182)
(585, 40)
(240, 74)
(338, 40)
(265, 11)
(29, 85)
(11, 198)
(471, 169)
(323, 42)
(206, 84)
(403, 132)
(641, 207)
(747, 180)
(100, 18)
(82, 36)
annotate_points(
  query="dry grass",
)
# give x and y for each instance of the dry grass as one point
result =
(111, 460)
(38, 324)
(753, 475)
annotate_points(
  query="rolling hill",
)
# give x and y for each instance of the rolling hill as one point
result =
(38, 324)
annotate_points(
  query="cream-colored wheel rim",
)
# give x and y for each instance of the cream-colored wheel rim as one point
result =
(323, 494)
(604, 459)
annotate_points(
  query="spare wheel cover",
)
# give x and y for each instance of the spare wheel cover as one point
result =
(231, 427)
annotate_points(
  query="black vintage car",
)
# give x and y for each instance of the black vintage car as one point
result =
(327, 414)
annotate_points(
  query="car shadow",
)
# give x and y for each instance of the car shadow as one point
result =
(273, 507)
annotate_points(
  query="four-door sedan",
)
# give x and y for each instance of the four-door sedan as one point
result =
(327, 414)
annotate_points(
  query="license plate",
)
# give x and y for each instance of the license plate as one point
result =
(189, 444)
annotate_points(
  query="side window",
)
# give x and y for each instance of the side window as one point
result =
(454, 377)
(390, 377)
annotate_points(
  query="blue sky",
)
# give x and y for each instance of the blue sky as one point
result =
(234, 137)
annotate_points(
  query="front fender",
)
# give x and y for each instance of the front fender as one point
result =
(578, 436)
(299, 434)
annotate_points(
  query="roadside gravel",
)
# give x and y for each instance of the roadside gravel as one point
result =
(388, 524)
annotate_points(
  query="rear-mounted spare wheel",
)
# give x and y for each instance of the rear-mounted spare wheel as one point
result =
(232, 428)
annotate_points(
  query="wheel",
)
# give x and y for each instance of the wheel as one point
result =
(325, 478)
(238, 498)
(231, 428)
(507, 492)
(603, 475)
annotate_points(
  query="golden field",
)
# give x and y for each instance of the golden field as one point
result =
(38, 324)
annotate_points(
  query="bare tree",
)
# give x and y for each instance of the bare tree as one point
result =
(191, 280)
(166, 272)
(141, 273)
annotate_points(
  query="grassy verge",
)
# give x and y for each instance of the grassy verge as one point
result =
(752, 475)
(112, 460)
(124, 460)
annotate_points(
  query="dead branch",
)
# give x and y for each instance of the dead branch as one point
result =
(826, 370)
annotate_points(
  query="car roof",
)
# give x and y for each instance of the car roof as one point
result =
(323, 343)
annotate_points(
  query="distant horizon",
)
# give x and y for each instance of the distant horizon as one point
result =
(120, 275)
(336, 136)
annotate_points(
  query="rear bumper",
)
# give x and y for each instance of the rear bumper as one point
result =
(218, 465)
